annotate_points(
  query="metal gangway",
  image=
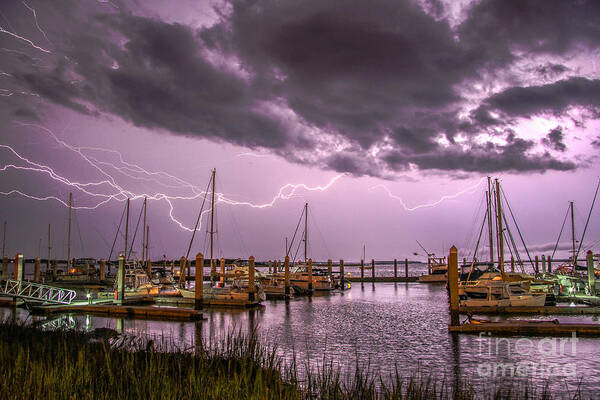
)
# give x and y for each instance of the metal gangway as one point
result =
(37, 291)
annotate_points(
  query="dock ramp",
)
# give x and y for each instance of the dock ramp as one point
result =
(36, 291)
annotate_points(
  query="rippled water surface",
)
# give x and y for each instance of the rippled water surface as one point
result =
(383, 326)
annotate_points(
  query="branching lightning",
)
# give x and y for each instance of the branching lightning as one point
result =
(469, 189)
(36, 21)
(108, 189)
(30, 42)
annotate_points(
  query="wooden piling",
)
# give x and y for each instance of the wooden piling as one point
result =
(590, 271)
(251, 287)
(188, 266)
(18, 273)
(362, 270)
(182, 272)
(512, 264)
(36, 270)
(172, 268)
(221, 270)
(406, 267)
(310, 276)
(121, 280)
(102, 269)
(543, 263)
(549, 258)
(286, 266)
(4, 267)
(342, 274)
(373, 269)
(537, 265)
(453, 285)
(395, 268)
(329, 270)
(198, 293)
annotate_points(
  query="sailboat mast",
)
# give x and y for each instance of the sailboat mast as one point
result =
(126, 228)
(305, 233)
(4, 241)
(69, 232)
(212, 217)
(49, 248)
(573, 233)
(144, 238)
(500, 230)
(488, 196)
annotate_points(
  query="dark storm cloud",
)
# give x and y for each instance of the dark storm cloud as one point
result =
(554, 139)
(368, 73)
(486, 158)
(551, 98)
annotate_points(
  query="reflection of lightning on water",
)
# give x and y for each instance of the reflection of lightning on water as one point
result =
(470, 189)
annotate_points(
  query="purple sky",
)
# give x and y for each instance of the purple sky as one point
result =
(388, 114)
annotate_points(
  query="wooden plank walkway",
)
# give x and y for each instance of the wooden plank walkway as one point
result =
(546, 310)
(542, 328)
(380, 279)
(160, 313)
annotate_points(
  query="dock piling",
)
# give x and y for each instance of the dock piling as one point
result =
(590, 271)
(198, 293)
(4, 267)
(373, 269)
(19, 267)
(222, 270)
(329, 269)
(36, 270)
(549, 258)
(251, 278)
(537, 265)
(512, 264)
(543, 263)
(342, 274)
(286, 266)
(149, 268)
(395, 268)
(406, 267)
(362, 270)
(121, 281)
(310, 277)
(102, 269)
(453, 285)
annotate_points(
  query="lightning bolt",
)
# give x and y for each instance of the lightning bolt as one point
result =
(120, 194)
(2, 30)
(469, 189)
(36, 21)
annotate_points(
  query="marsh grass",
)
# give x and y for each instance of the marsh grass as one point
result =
(61, 364)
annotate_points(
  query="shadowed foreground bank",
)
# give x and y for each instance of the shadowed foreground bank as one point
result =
(72, 364)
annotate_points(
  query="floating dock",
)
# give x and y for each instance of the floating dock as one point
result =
(225, 303)
(545, 310)
(160, 313)
(535, 328)
(381, 279)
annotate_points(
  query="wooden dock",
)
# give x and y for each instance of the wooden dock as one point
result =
(381, 279)
(535, 328)
(226, 303)
(545, 310)
(145, 312)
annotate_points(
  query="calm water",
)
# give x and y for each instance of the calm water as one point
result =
(384, 325)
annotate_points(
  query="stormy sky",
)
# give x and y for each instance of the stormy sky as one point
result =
(389, 113)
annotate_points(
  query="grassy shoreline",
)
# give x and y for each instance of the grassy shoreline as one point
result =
(36, 364)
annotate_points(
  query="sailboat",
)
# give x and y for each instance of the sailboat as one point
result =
(226, 293)
(300, 277)
(494, 289)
